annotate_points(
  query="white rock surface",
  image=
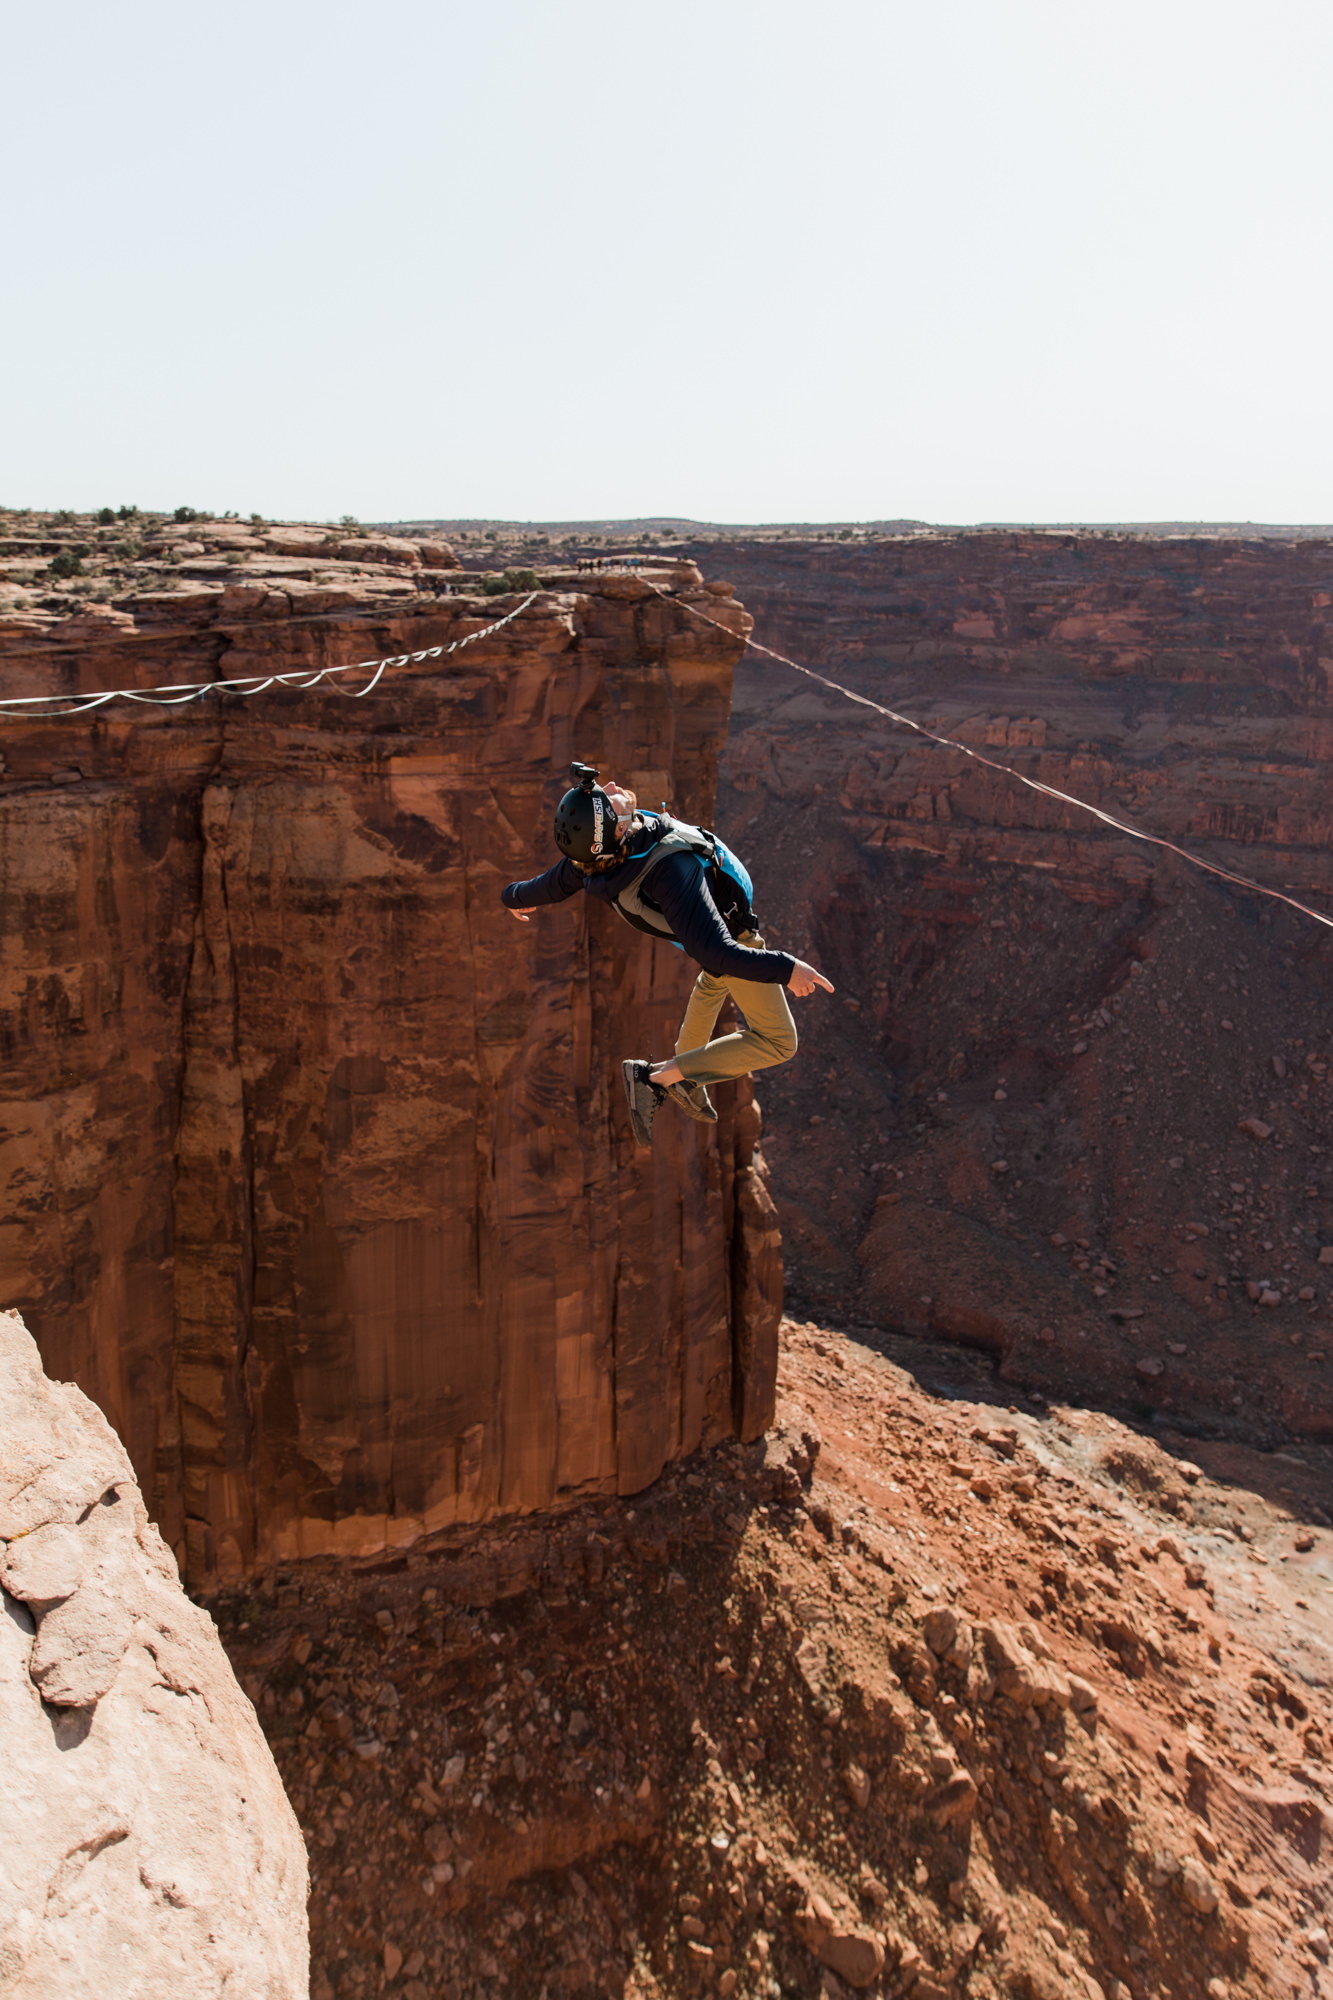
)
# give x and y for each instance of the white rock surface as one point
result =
(147, 1848)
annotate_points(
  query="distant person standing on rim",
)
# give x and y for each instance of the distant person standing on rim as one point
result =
(683, 884)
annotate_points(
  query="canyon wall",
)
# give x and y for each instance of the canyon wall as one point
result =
(1070, 1102)
(317, 1169)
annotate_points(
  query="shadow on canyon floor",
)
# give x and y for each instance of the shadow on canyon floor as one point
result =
(919, 1692)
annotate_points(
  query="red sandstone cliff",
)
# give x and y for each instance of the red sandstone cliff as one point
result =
(317, 1175)
(1022, 1126)
(955, 1702)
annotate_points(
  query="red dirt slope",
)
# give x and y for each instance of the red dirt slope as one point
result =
(962, 1702)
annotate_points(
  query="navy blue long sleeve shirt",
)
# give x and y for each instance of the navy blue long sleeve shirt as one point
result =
(679, 889)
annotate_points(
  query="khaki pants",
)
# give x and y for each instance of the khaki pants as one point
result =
(769, 1035)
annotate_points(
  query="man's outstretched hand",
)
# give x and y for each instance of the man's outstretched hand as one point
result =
(522, 915)
(804, 979)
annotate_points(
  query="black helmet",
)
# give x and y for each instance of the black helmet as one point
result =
(585, 819)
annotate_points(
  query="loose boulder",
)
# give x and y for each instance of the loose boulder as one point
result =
(1026, 1679)
(849, 1950)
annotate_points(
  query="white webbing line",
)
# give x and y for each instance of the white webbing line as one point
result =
(301, 678)
(1033, 784)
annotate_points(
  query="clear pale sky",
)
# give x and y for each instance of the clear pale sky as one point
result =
(741, 260)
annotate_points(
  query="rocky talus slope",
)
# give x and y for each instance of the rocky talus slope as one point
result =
(148, 1847)
(317, 1167)
(917, 1695)
(1071, 1103)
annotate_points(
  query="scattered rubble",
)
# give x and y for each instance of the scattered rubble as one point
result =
(817, 1716)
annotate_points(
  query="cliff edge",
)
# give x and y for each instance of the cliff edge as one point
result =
(321, 1179)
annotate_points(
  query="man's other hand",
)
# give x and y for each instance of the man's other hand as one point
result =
(804, 979)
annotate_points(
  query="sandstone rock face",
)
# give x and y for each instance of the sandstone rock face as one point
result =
(149, 1846)
(1068, 1084)
(317, 1164)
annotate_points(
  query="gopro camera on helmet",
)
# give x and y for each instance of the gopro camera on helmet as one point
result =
(585, 819)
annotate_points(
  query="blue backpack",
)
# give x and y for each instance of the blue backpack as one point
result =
(727, 876)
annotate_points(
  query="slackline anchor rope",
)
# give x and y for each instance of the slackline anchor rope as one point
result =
(37, 707)
(1033, 784)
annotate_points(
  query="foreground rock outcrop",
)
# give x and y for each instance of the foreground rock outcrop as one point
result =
(148, 1844)
(319, 1170)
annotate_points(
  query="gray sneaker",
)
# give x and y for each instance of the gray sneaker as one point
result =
(644, 1097)
(694, 1101)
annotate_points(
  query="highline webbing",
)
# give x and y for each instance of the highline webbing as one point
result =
(1007, 770)
(37, 707)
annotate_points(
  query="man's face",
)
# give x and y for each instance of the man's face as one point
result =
(624, 808)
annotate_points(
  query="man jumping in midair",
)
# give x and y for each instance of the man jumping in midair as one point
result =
(681, 883)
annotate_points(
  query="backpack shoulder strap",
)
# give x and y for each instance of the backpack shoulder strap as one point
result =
(678, 838)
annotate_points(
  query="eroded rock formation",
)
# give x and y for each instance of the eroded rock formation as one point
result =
(1071, 1102)
(317, 1169)
(148, 1844)
(959, 1698)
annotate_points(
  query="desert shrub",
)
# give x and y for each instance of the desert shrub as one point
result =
(65, 563)
(105, 516)
(127, 513)
(185, 514)
(521, 579)
(493, 586)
